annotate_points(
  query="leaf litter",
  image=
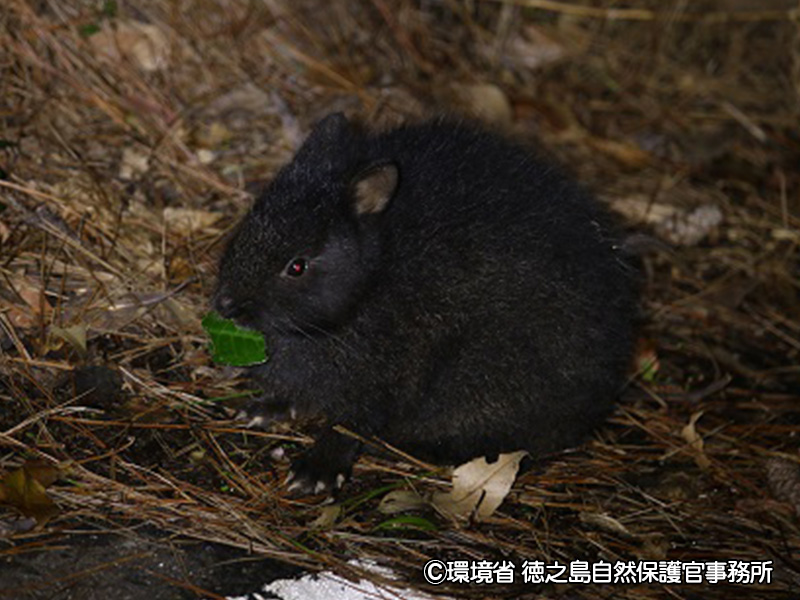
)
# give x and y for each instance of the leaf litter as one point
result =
(662, 106)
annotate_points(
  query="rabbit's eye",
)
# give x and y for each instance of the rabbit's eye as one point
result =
(296, 267)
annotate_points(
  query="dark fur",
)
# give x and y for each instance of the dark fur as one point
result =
(487, 309)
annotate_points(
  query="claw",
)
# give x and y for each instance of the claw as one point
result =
(243, 415)
(324, 467)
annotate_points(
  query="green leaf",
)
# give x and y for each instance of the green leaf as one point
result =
(110, 8)
(88, 30)
(407, 522)
(232, 345)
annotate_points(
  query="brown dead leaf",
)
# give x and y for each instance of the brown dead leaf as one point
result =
(399, 501)
(213, 136)
(676, 225)
(5, 232)
(627, 154)
(187, 220)
(134, 162)
(33, 295)
(179, 269)
(641, 208)
(19, 315)
(688, 228)
(141, 43)
(695, 441)
(533, 48)
(205, 156)
(327, 517)
(647, 546)
(35, 306)
(647, 362)
(606, 523)
(113, 314)
(24, 489)
(247, 99)
(485, 101)
(479, 487)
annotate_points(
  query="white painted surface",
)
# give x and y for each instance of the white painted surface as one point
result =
(329, 586)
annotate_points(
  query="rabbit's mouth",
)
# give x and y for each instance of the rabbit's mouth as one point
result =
(241, 312)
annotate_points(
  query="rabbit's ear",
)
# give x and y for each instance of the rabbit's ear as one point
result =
(373, 188)
(330, 128)
(325, 138)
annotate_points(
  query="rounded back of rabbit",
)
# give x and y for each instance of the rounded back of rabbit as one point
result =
(436, 286)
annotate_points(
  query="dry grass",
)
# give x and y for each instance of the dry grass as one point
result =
(123, 168)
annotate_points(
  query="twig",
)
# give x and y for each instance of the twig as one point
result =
(643, 14)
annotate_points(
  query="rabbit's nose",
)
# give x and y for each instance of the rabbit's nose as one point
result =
(224, 305)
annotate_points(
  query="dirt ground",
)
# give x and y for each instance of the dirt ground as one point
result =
(132, 134)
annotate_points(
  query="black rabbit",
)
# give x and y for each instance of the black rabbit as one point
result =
(435, 286)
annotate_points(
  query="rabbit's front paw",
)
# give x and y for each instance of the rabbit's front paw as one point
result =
(324, 467)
